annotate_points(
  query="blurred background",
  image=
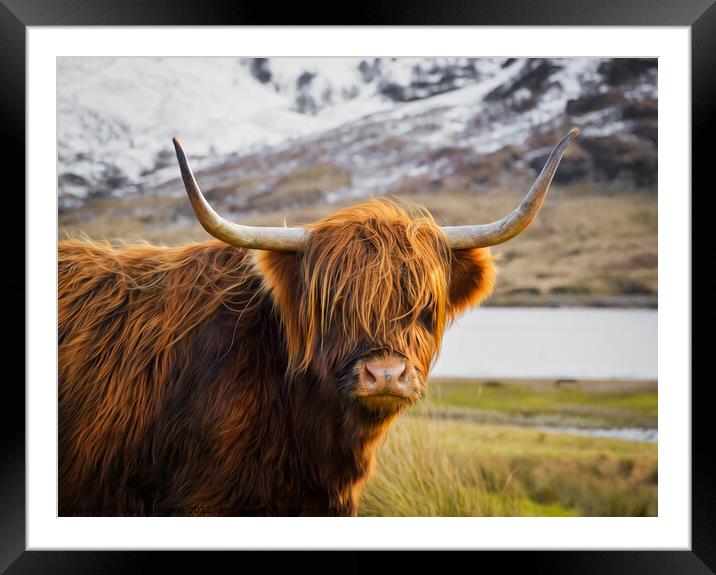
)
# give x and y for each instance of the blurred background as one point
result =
(544, 401)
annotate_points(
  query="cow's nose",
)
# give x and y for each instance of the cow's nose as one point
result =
(385, 373)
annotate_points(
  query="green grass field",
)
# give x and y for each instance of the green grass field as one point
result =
(437, 461)
(564, 402)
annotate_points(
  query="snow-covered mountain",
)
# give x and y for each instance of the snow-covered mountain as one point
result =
(116, 116)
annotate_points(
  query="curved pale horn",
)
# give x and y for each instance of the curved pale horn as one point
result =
(483, 235)
(259, 238)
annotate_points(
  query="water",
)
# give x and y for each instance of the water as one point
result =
(579, 343)
(626, 433)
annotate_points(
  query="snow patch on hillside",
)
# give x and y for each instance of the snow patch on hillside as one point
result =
(117, 116)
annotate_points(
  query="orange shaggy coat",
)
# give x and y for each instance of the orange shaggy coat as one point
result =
(202, 379)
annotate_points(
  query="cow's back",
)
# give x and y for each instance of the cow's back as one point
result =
(131, 324)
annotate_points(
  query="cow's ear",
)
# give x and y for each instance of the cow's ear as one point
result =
(472, 279)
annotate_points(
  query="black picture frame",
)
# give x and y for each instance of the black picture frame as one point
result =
(698, 15)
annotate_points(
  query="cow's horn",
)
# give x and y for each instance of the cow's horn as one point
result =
(483, 235)
(260, 238)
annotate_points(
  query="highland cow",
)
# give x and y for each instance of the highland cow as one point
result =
(257, 374)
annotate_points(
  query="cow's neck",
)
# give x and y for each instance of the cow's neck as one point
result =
(340, 442)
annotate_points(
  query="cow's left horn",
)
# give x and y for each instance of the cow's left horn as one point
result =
(463, 237)
(259, 238)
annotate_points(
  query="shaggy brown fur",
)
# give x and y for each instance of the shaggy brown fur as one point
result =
(212, 380)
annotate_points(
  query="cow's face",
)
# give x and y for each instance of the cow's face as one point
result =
(366, 302)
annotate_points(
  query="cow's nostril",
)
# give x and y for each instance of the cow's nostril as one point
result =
(368, 376)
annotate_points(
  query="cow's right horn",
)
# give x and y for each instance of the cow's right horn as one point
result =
(259, 238)
(483, 235)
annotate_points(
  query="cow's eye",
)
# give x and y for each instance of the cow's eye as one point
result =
(426, 317)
